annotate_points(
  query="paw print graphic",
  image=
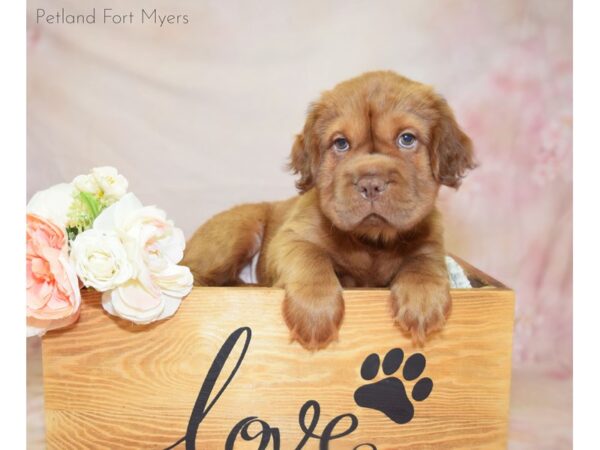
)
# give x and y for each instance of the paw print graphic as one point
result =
(388, 395)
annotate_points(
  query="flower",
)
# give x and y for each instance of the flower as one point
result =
(53, 297)
(100, 260)
(135, 302)
(103, 182)
(119, 247)
(154, 247)
(53, 203)
(112, 184)
(92, 193)
(86, 183)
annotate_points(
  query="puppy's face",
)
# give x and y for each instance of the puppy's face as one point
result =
(377, 148)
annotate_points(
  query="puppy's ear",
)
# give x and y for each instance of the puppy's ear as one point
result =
(300, 164)
(305, 153)
(451, 150)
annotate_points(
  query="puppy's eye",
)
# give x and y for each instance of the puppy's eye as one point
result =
(407, 140)
(341, 144)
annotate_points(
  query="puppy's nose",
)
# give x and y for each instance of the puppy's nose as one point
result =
(371, 187)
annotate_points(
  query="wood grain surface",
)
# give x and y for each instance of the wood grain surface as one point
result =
(111, 384)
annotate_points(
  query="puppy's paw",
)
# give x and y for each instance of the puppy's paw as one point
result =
(420, 307)
(313, 316)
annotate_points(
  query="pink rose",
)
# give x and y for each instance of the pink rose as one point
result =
(53, 296)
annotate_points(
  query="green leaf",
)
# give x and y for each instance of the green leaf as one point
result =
(72, 233)
(91, 203)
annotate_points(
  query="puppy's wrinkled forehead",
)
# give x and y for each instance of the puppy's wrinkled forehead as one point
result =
(376, 103)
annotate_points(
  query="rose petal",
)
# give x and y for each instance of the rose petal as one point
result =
(38, 295)
(113, 302)
(136, 296)
(171, 307)
(38, 327)
(52, 203)
(176, 281)
(30, 278)
(176, 245)
(40, 268)
(58, 306)
(43, 232)
(111, 219)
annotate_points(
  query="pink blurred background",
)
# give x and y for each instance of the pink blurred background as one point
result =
(200, 117)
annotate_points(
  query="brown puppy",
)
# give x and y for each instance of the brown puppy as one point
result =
(371, 159)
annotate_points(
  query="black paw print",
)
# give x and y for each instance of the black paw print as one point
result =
(389, 395)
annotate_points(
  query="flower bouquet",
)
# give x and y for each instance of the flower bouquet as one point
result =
(93, 233)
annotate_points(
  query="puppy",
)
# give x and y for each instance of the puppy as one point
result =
(371, 159)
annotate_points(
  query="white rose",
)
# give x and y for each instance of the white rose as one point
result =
(112, 184)
(100, 260)
(52, 203)
(150, 238)
(154, 247)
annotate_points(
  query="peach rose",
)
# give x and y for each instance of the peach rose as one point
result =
(53, 296)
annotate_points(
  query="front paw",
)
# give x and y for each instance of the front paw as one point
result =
(313, 315)
(420, 306)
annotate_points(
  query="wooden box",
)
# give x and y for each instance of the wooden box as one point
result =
(221, 374)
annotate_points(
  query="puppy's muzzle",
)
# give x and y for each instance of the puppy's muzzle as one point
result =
(371, 187)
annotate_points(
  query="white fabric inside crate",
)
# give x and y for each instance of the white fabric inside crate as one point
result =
(458, 279)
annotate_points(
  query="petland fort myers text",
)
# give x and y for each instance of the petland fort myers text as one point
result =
(111, 16)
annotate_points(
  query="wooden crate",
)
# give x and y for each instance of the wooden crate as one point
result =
(111, 384)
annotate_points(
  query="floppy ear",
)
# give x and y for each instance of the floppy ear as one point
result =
(305, 153)
(451, 151)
